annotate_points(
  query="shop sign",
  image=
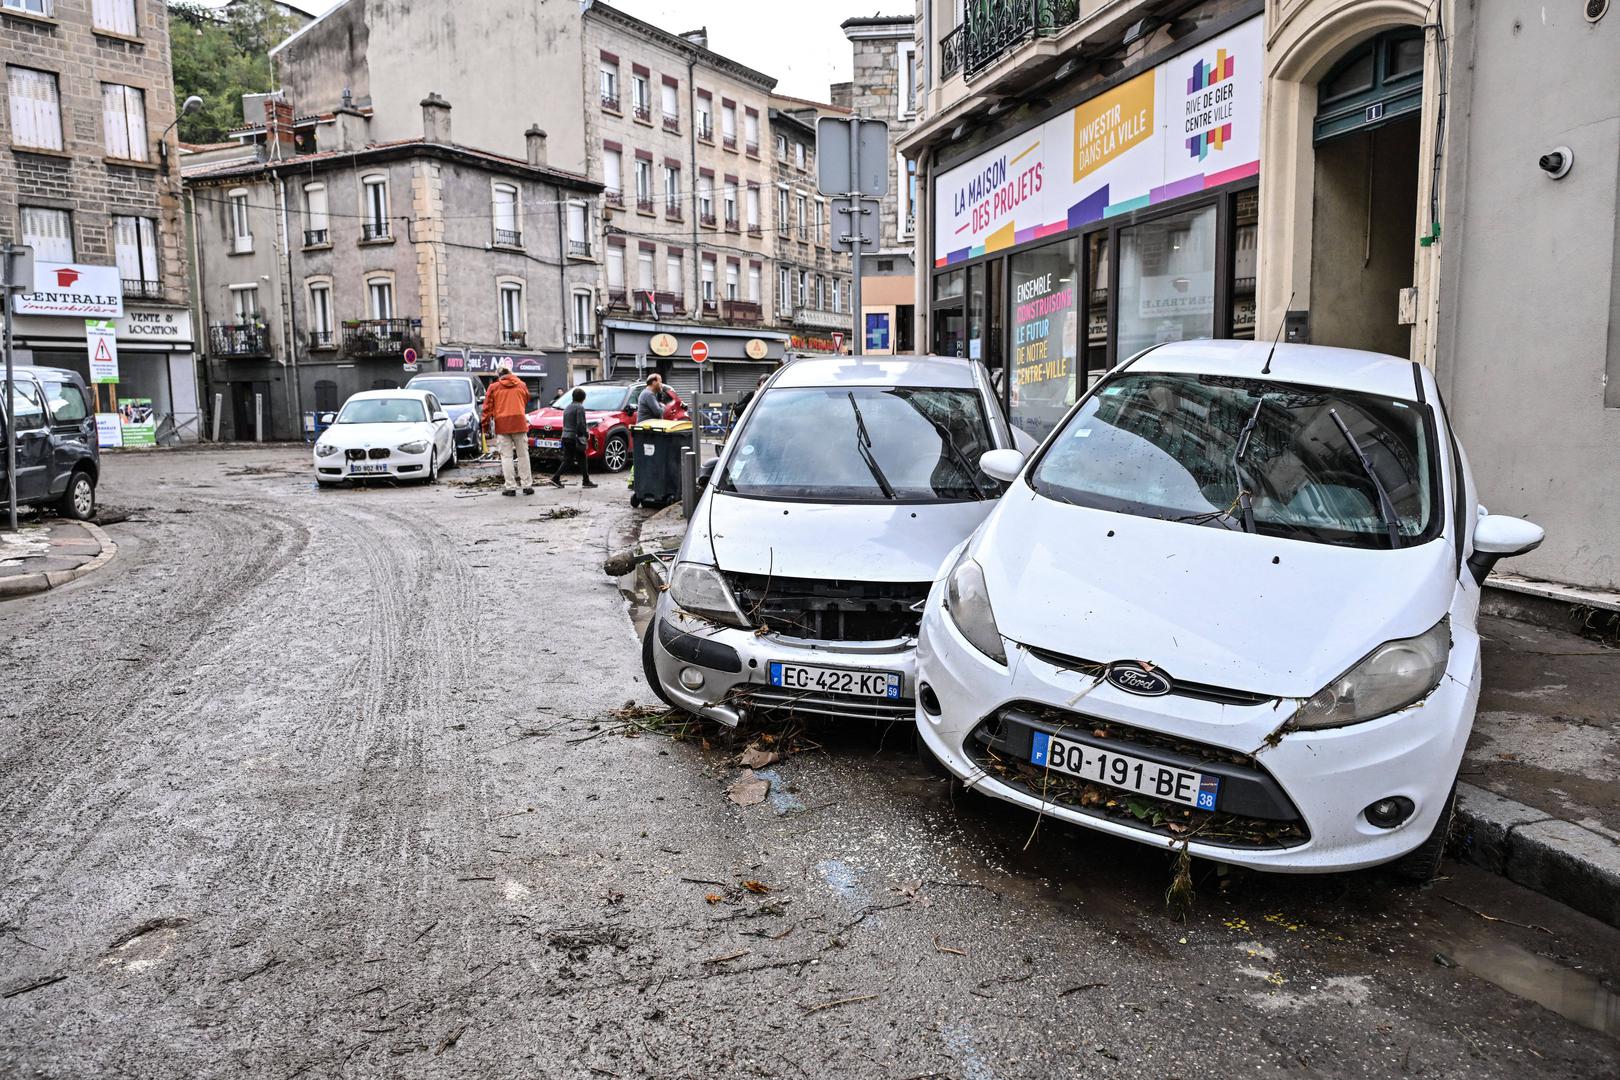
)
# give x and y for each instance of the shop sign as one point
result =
(101, 340)
(520, 363)
(1191, 123)
(137, 422)
(74, 289)
(756, 349)
(877, 332)
(812, 343)
(663, 344)
(150, 325)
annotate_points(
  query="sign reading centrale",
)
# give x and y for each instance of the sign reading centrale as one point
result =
(74, 289)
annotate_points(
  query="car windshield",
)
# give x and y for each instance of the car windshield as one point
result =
(862, 444)
(1189, 447)
(597, 398)
(448, 391)
(401, 410)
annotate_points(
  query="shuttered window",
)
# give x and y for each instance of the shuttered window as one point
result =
(114, 16)
(315, 207)
(136, 242)
(123, 118)
(36, 108)
(49, 233)
(506, 215)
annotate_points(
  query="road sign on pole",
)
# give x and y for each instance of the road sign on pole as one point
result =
(838, 342)
(700, 352)
(16, 275)
(837, 150)
(855, 219)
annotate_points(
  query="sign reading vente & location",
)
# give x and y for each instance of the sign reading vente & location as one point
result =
(1191, 123)
(74, 289)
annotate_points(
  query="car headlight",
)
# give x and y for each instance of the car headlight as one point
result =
(701, 590)
(465, 420)
(1392, 677)
(967, 599)
(417, 447)
(325, 449)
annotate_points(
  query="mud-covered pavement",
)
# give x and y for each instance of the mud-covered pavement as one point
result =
(307, 784)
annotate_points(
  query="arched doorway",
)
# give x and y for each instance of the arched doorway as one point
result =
(1366, 137)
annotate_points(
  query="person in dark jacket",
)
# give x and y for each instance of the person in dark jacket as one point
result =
(650, 403)
(575, 432)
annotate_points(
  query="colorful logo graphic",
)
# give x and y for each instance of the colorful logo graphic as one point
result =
(1208, 103)
(66, 278)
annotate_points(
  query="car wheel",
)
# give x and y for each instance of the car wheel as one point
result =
(616, 452)
(454, 459)
(1421, 864)
(79, 500)
(649, 670)
(433, 466)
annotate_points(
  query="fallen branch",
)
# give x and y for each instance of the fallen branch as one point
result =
(738, 955)
(1082, 986)
(808, 1009)
(1493, 918)
(51, 981)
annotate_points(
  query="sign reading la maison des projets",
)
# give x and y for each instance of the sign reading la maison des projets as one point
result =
(75, 290)
(1192, 122)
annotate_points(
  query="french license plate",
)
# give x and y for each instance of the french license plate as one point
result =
(367, 470)
(1183, 786)
(883, 684)
(546, 444)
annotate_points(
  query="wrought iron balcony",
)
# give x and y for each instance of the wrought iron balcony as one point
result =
(613, 198)
(706, 218)
(705, 129)
(143, 289)
(239, 339)
(821, 319)
(618, 298)
(732, 224)
(579, 249)
(672, 122)
(321, 339)
(672, 208)
(751, 148)
(644, 204)
(644, 114)
(655, 304)
(993, 28)
(382, 337)
(578, 340)
(729, 141)
(515, 339)
(374, 230)
(317, 237)
(740, 311)
(610, 102)
(508, 238)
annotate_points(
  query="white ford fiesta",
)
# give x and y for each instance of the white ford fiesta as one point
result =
(799, 585)
(1229, 603)
(386, 434)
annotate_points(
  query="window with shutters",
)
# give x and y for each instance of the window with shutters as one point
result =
(583, 333)
(672, 106)
(751, 132)
(615, 269)
(123, 119)
(755, 272)
(36, 108)
(374, 206)
(752, 208)
(644, 271)
(708, 281)
(784, 290)
(579, 236)
(783, 221)
(245, 304)
(728, 125)
(504, 199)
(804, 288)
(613, 175)
(729, 202)
(803, 218)
(675, 276)
(49, 233)
(241, 227)
(511, 305)
(609, 80)
(380, 297)
(672, 191)
(114, 16)
(733, 280)
(317, 222)
(320, 314)
(135, 242)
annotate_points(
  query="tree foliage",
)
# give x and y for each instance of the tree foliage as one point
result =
(219, 54)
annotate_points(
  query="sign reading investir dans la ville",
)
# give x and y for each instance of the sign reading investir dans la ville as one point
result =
(74, 289)
(1191, 123)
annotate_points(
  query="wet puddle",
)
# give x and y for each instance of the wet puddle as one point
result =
(1575, 995)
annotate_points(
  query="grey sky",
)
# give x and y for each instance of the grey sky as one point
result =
(798, 41)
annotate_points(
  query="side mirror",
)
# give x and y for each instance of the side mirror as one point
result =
(328, 418)
(1003, 465)
(1496, 537)
(706, 473)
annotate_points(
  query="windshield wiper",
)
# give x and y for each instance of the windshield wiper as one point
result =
(970, 471)
(863, 443)
(1386, 506)
(1245, 499)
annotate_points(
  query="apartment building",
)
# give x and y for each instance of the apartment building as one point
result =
(329, 262)
(87, 181)
(814, 290)
(886, 87)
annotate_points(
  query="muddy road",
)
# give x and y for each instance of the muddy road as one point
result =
(329, 785)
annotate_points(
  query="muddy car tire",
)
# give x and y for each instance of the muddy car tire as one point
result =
(649, 670)
(1421, 864)
(616, 452)
(78, 502)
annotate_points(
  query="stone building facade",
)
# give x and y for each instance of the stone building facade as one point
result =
(814, 291)
(885, 87)
(86, 179)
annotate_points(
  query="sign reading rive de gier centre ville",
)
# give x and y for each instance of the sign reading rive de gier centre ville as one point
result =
(1191, 123)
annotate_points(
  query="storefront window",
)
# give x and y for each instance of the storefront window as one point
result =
(948, 286)
(1245, 260)
(1096, 306)
(1167, 280)
(950, 338)
(986, 317)
(1045, 336)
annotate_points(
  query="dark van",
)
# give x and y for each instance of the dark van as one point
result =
(58, 462)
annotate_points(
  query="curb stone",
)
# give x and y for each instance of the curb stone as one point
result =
(29, 584)
(1562, 860)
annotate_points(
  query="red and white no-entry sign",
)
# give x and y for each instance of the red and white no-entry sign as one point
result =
(700, 352)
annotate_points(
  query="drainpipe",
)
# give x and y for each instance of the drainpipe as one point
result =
(288, 305)
(200, 342)
(697, 256)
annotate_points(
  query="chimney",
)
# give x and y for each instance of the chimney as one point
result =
(842, 94)
(436, 119)
(278, 128)
(536, 140)
(352, 127)
(698, 37)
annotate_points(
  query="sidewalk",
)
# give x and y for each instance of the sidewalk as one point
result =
(1539, 801)
(49, 554)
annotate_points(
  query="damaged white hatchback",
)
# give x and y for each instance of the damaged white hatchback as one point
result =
(1230, 604)
(799, 584)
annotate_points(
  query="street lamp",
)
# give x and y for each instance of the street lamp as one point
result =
(192, 104)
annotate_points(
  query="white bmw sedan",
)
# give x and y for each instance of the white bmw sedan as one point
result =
(1229, 603)
(386, 434)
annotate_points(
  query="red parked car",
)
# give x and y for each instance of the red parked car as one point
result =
(610, 408)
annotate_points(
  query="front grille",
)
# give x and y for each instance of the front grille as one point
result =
(379, 452)
(820, 610)
(1253, 812)
(773, 700)
(1222, 695)
(355, 455)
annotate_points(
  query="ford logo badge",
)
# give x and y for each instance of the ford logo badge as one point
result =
(1134, 678)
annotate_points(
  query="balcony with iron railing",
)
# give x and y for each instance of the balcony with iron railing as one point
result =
(610, 102)
(515, 339)
(618, 298)
(613, 198)
(644, 204)
(246, 338)
(755, 230)
(321, 339)
(643, 113)
(672, 208)
(706, 218)
(578, 339)
(821, 319)
(741, 311)
(381, 337)
(143, 289)
(711, 307)
(732, 224)
(510, 238)
(672, 122)
(993, 28)
(317, 238)
(729, 142)
(373, 231)
(658, 304)
(751, 148)
(705, 129)
(579, 249)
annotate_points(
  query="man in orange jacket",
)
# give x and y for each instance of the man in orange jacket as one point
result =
(506, 407)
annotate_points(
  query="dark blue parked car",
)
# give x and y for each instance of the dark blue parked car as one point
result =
(58, 460)
(463, 398)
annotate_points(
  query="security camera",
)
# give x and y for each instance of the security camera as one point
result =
(1557, 162)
